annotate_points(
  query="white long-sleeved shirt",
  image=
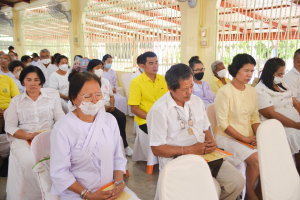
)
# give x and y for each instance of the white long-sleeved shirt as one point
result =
(292, 79)
(47, 72)
(30, 116)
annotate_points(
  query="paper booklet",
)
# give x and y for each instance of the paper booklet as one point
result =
(216, 155)
(123, 196)
(246, 144)
(29, 141)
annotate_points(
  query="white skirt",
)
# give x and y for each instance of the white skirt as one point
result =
(240, 151)
(293, 136)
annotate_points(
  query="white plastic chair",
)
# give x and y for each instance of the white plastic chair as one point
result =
(211, 114)
(126, 82)
(186, 177)
(142, 151)
(40, 148)
(278, 174)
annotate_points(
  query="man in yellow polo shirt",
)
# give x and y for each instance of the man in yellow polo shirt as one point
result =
(219, 79)
(146, 89)
(8, 90)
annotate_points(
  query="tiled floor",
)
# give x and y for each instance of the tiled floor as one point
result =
(139, 182)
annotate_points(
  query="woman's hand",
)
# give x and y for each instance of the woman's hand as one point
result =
(251, 140)
(99, 195)
(32, 135)
(114, 90)
(117, 191)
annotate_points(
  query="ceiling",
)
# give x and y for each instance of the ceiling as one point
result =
(11, 3)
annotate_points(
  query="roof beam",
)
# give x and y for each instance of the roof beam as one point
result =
(7, 3)
(259, 36)
(250, 14)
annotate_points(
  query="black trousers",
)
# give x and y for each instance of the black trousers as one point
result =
(121, 119)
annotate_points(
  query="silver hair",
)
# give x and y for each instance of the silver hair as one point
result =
(44, 51)
(215, 64)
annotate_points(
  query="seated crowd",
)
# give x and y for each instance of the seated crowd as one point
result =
(86, 114)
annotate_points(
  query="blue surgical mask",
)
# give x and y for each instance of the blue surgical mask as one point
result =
(108, 66)
(142, 70)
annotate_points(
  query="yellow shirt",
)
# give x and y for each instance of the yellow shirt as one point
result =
(217, 84)
(239, 109)
(144, 93)
(8, 89)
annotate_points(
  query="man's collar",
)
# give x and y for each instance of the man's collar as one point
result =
(146, 78)
(296, 71)
(171, 102)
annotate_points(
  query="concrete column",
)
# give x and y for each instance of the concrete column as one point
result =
(17, 33)
(192, 20)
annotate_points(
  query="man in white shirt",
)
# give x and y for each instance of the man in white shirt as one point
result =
(292, 78)
(46, 66)
(4, 61)
(178, 125)
(140, 70)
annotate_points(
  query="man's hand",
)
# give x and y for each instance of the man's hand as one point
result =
(198, 149)
(210, 146)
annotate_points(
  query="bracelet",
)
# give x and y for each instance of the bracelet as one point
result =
(82, 193)
(87, 191)
(181, 150)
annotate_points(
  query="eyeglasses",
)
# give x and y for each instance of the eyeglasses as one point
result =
(88, 97)
(4, 60)
(18, 70)
(199, 70)
(45, 57)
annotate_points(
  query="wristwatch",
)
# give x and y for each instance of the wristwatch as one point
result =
(119, 182)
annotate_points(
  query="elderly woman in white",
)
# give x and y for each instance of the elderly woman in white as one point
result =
(275, 101)
(29, 112)
(111, 75)
(86, 153)
(59, 81)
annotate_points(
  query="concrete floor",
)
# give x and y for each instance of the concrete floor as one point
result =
(142, 184)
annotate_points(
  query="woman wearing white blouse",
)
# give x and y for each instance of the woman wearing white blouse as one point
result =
(59, 81)
(86, 153)
(275, 101)
(28, 113)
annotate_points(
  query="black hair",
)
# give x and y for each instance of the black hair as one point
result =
(105, 57)
(10, 48)
(15, 63)
(54, 58)
(193, 59)
(30, 69)
(25, 58)
(192, 64)
(16, 54)
(267, 75)
(148, 54)
(93, 63)
(296, 54)
(139, 59)
(77, 80)
(34, 55)
(59, 58)
(177, 72)
(239, 61)
(80, 56)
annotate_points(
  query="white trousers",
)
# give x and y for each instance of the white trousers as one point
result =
(22, 182)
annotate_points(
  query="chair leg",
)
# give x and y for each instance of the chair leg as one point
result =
(127, 173)
(149, 169)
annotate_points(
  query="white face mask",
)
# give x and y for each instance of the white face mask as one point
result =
(64, 67)
(99, 72)
(46, 61)
(90, 108)
(17, 75)
(277, 80)
(28, 64)
(222, 73)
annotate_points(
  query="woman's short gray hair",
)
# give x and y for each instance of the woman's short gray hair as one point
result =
(215, 64)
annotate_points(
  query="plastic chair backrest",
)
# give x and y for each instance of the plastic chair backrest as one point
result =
(186, 177)
(278, 174)
(126, 81)
(211, 114)
(40, 146)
